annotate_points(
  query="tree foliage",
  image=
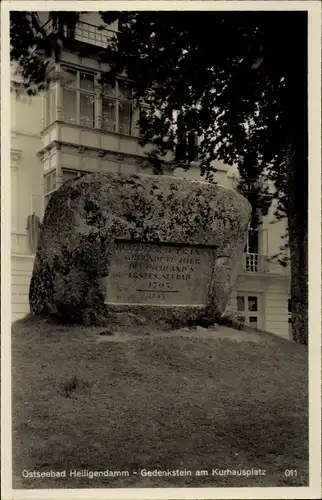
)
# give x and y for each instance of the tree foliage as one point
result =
(26, 38)
(228, 74)
(239, 81)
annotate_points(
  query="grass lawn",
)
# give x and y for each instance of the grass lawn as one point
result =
(197, 400)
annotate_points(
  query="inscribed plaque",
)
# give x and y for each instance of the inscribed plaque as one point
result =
(167, 275)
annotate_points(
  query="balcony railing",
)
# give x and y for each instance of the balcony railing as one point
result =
(259, 263)
(85, 32)
(255, 263)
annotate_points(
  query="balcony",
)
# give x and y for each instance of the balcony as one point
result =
(255, 263)
(84, 33)
(261, 264)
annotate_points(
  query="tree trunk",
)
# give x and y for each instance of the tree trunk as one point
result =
(298, 241)
(297, 176)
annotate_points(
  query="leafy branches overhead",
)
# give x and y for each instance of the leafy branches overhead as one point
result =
(228, 74)
(25, 27)
(239, 81)
(32, 47)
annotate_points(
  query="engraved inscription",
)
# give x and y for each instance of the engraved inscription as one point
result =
(144, 273)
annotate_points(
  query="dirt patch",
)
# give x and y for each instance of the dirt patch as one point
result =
(198, 332)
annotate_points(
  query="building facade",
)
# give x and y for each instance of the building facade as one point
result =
(79, 126)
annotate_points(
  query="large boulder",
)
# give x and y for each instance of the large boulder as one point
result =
(155, 249)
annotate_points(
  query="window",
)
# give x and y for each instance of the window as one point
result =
(87, 100)
(94, 35)
(70, 77)
(252, 244)
(117, 108)
(69, 174)
(78, 97)
(187, 143)
(49, 185)
(253, 321)
(82, 106)
(109, 114)
(125, 117)
(69, 106)
(248, 309)
(87, 111)
(252, 303)
(50, 107)
(252, 263)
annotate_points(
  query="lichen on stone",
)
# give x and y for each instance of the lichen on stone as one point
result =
(85, 217)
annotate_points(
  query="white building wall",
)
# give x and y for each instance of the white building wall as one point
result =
(21, 271)
(26, 194)
(232, 303)
(276, 310)
(273, 295)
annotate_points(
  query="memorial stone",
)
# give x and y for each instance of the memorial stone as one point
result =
(159, 249)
